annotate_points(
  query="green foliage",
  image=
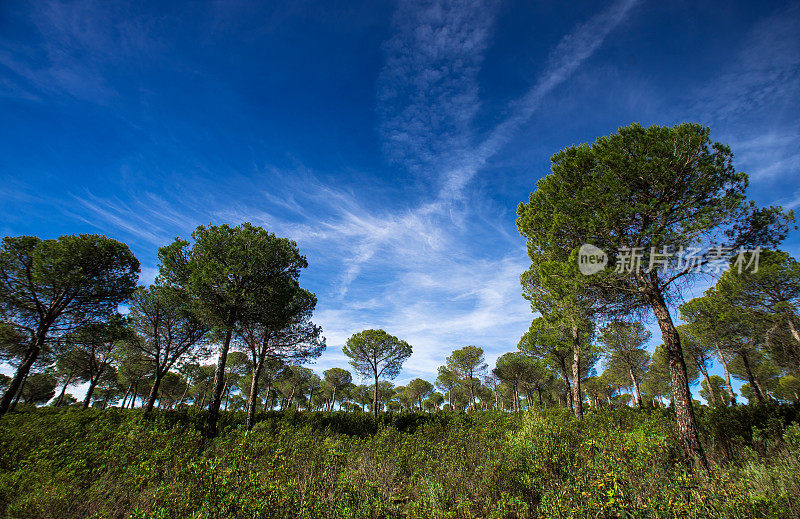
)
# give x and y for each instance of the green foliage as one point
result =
(70, 463)
(49, 287)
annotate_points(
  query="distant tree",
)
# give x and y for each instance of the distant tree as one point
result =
(566, 301)
(446, 381)
(434, 402)
(202, 380)
(362, 396)
(338, 379)
(294, 382)
(755, 367)
(280, 329)
(623, 347)
(418, 390)
(376, 354)
(171, 389)
(553, 343)
(96, 344)
(770, 293)
(385, 393)
(227, 273)
(515, 369)
(708, 323)
(716, 317)
(237, 368)
(788, 389)
(712, 389)
(468, 364)
(702, 355)
(657, 379)
(653, 191)
(167, 332)
(39, 388)
(133, 369)
(49, 287)
(597, 388)
(107, 390)
(269, 373)
(68, 369)
(67, 400)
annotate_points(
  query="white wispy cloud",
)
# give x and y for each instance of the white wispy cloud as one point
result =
(79, 40)
(754, 98)
(420, 270)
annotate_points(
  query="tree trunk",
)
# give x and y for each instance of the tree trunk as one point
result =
(267, 396)
(219, 382)
(63, 390)
(15, 386)
(19, 393)
(793, 330)
(151, 398)
(635, 387)
(754, 386)
(127, 394)
(135, 395)
(375, 398)
(88, 398)
(710, 389)
(681, 396)
(568, 397)
(577, 398)
(185, 391)
(728, 385)
(471, 393)
(251, 401)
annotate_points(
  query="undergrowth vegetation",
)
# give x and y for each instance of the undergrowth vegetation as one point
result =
(64, 463)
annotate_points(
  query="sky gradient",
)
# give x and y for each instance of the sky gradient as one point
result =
(392, 141)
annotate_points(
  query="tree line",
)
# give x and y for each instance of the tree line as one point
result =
(234, 292)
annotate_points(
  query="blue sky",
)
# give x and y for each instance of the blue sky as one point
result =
(392, 141)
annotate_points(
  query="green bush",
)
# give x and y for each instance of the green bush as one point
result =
(64, 463)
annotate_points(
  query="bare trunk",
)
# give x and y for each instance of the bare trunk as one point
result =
(711, 393)
(471, 393)
(251, 400)
(127, 394)
(728, 385)
(267, 396)
(375, 398)
(185, 392)
(754, 385)
(88, 398)
(219, 382)
(135, 394)
(15, 386)
(635, 387)
(151, 398)
(19, 392)
(568, 396)
(63, 390)
(681, 396)
(793, 329)
(577, 398)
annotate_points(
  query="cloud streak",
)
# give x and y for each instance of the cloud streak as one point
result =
(417, 269)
